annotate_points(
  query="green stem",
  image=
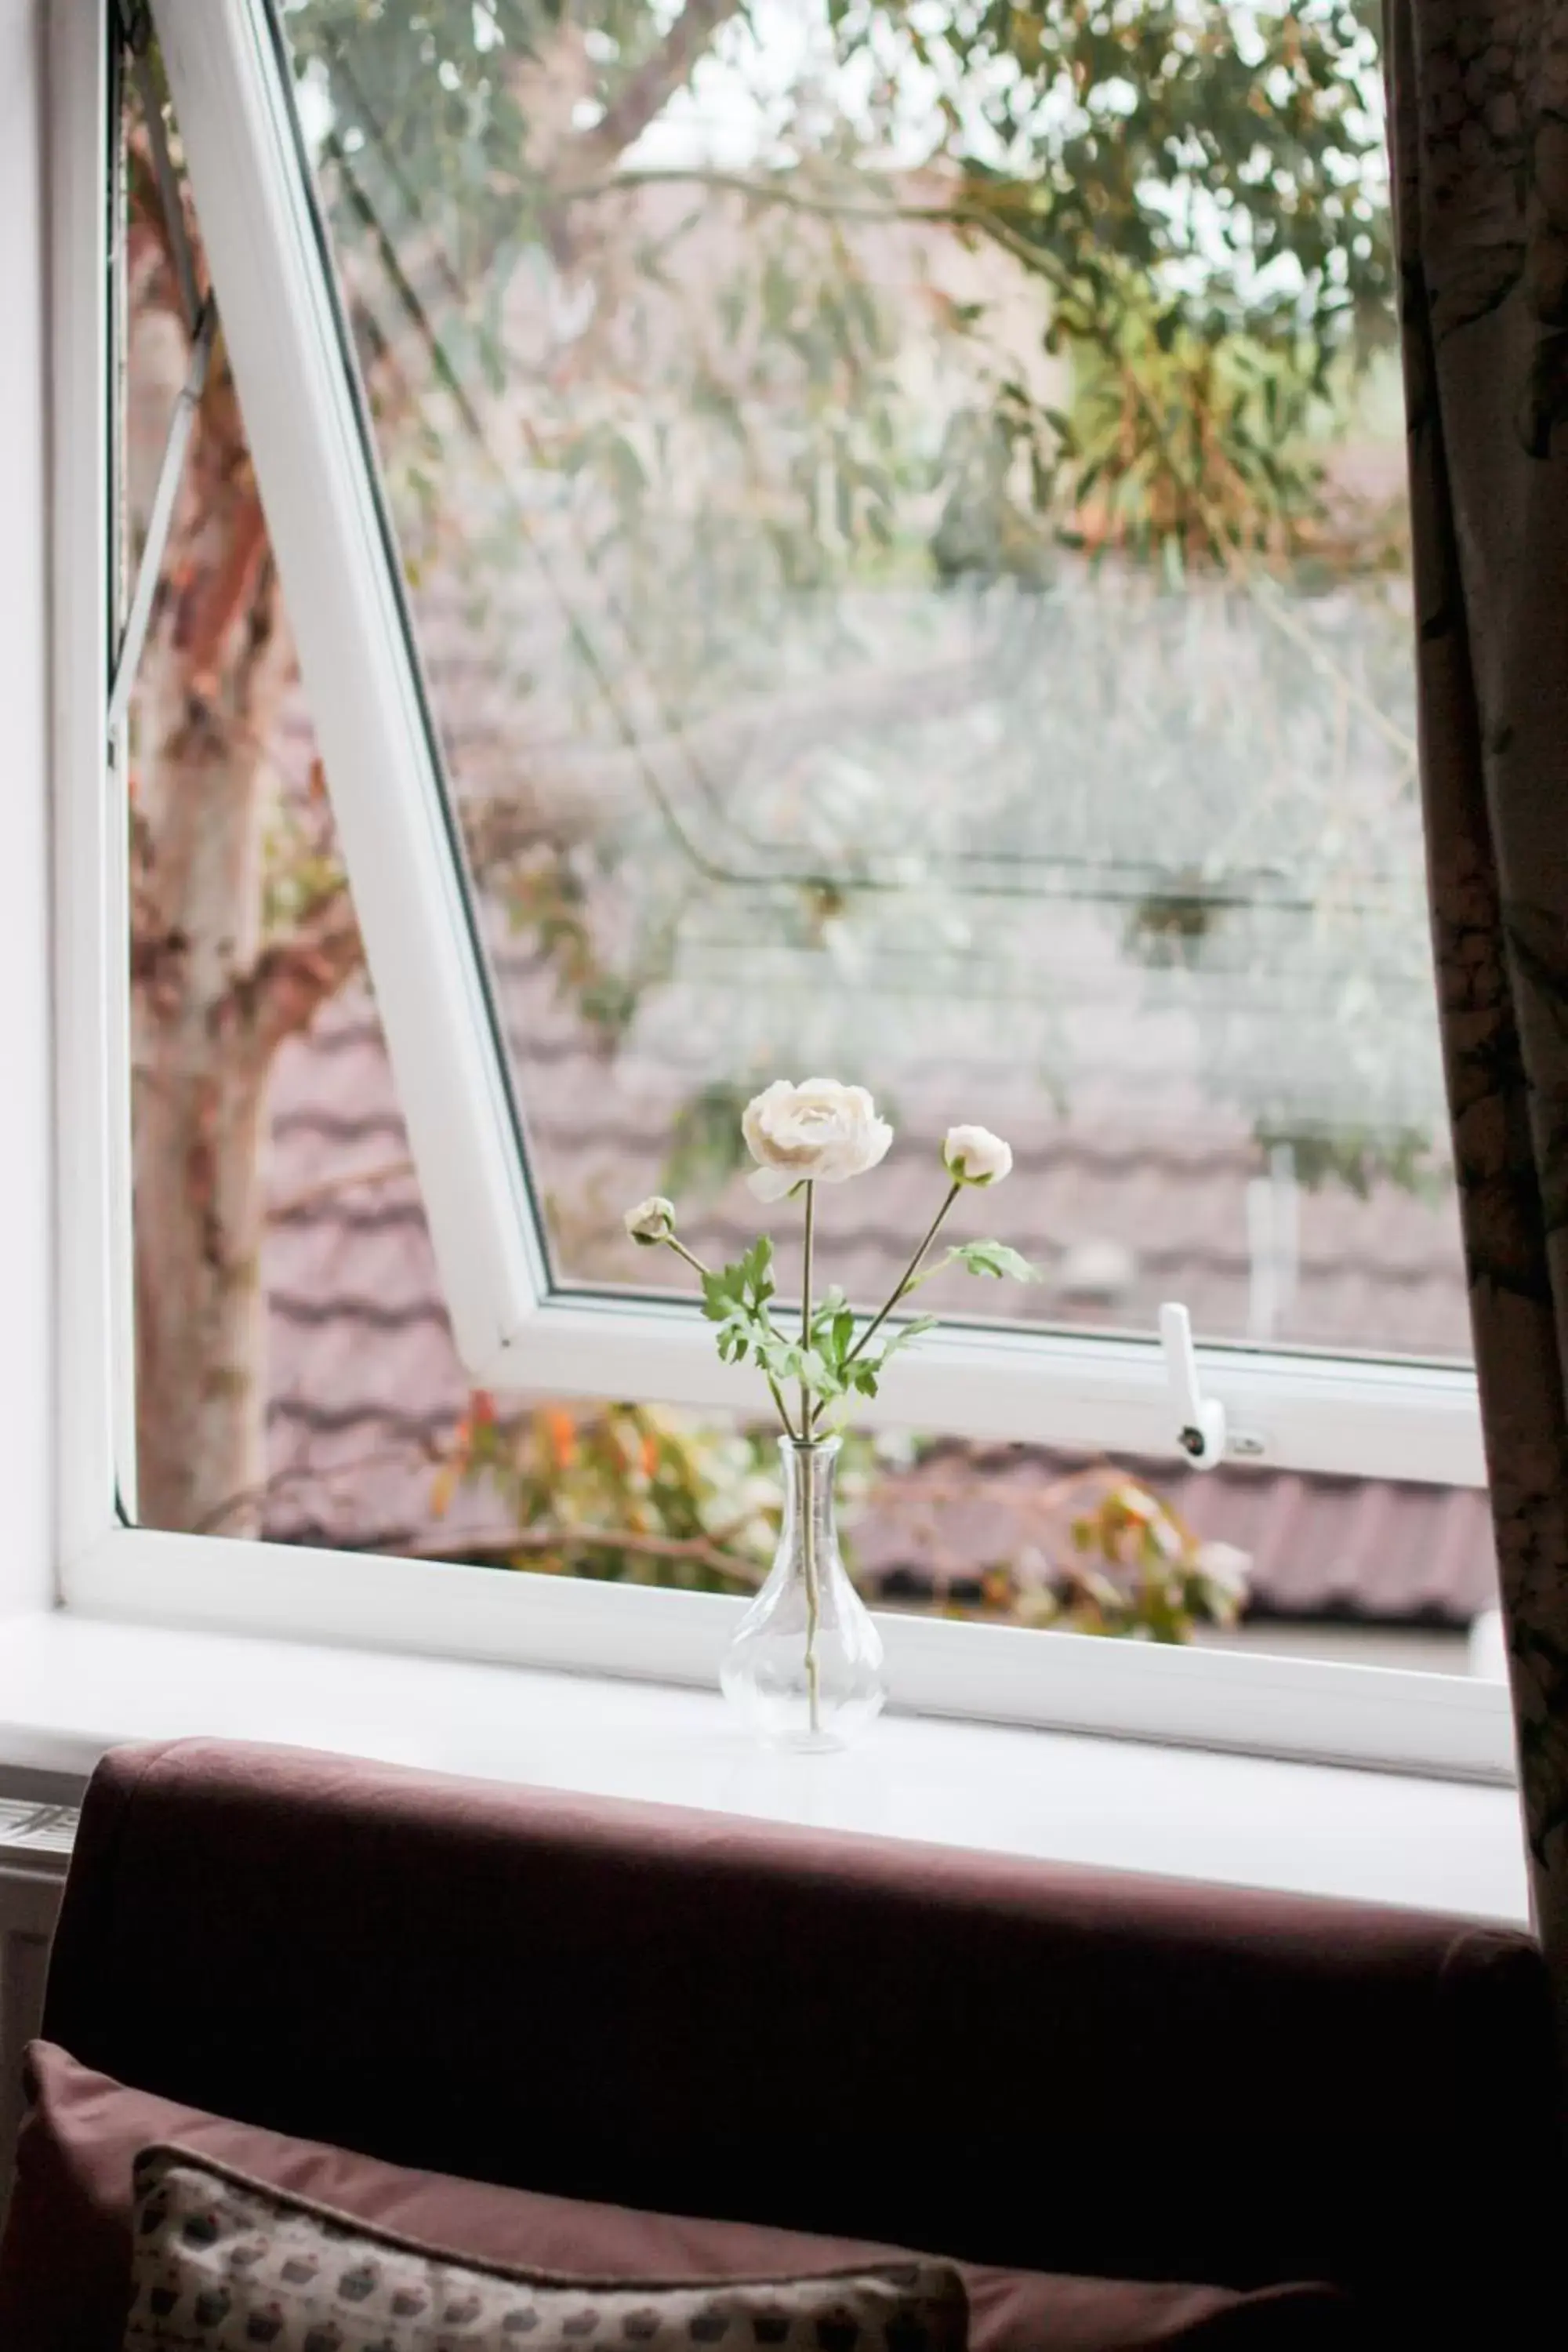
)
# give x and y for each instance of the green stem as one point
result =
(908, 1280)
(807, 1504)
(805, 1302)
(777, 1395)
(808, 1482)
(682, 1251)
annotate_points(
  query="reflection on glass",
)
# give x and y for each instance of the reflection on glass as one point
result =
(914, 582)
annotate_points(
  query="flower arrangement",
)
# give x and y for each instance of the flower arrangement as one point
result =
(821, 1132)
(824, 1132)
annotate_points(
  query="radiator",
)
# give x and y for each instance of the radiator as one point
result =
(35, 1847)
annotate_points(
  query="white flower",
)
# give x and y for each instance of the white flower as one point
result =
(818, 1133)
(652, 1221)
(1226, 1566)
(972, 1155)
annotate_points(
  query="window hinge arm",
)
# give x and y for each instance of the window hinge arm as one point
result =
(180, 254)
(170, 471)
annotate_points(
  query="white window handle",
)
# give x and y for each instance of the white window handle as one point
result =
(1200, 1420)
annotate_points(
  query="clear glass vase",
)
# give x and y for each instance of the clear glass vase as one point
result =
(805, 1669)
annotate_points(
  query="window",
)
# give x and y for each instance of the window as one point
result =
(808, 545)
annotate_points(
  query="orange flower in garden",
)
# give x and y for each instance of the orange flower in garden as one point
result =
(560, 1434)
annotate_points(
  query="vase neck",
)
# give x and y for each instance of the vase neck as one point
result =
(808, 1474)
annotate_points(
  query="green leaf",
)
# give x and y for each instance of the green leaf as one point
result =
(756, 1269)
(994, 1258)
(833, 1331)
(913, 1330)
(715, 1296)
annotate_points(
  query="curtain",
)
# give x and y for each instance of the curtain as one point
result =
(1479, 126)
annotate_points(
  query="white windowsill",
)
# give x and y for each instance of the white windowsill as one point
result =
(71, 1686)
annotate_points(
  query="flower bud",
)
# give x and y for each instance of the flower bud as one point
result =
(651, 1222)
(972, 1155)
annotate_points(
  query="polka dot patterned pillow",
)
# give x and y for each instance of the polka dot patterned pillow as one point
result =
(222, 2265)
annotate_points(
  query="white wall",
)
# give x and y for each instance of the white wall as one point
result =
(26, 1241)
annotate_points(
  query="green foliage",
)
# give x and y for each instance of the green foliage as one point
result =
(1124, 1564)
(736, 1299)
(706, 1145)
(840, 1359)
(1230, 155)
(301, 870)
(993, 1258)
(545, 894)
(1185, 448)
(853, 1366)
(830, 1365)
(1200, 193)
(1169, 926)
(766, 398)
(630, 1494)
(1359, 1159)
(626, 1494)
(1138, 1572)
(619, 1492)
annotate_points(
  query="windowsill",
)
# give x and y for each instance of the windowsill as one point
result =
(71, 1686)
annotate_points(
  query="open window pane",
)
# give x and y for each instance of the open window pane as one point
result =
(299, 1373)
(913, 584)
(328, 1405)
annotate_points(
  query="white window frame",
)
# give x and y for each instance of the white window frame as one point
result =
(279, 317)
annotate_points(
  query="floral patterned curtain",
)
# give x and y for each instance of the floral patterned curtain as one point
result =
(1478, 115)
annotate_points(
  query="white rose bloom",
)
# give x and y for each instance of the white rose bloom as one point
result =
(972, 1155)
(818, 1133)
(651, 1221)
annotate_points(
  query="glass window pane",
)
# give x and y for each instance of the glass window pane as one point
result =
(914, 584)
(296, 1373)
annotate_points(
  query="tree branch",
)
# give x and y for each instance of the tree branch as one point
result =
(506, 1542)
(292, 978)
(250, 1503)
(652, 85)
(984, 214)
(211, 602)
(386, 1172)
(699, 1549)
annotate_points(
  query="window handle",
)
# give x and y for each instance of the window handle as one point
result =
(1200, 1429)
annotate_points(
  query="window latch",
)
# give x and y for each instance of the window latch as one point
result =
(1201, 1425)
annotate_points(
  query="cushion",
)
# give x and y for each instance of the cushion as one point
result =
(221, 2262)
(65, 2260)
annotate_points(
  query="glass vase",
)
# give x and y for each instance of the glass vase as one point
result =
(805, 1669)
